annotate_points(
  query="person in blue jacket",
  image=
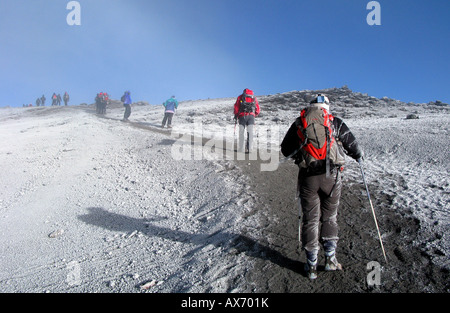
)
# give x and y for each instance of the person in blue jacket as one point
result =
(126, 99)
(170, 106)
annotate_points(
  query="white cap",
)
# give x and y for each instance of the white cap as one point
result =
(321, 101)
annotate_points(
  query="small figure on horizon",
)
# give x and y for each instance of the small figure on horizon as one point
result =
(66, 98)
(170, 107)
(54, 99)
(97, 103)
(126, 99)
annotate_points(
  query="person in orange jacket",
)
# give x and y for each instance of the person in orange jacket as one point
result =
(246, 108)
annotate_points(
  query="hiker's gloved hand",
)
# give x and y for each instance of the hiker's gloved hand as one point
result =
(360, 159)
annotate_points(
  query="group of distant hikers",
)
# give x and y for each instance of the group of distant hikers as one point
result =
(56, 100)
(170, 106)
(101, 101)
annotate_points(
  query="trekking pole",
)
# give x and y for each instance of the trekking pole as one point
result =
(373, 211)
(299, 221)
(234, 135)
(299, 204)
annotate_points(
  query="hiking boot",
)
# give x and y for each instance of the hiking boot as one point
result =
(311, 269)
(332, 264)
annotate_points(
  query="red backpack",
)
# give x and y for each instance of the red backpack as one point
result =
(248, 101)
(317, 140)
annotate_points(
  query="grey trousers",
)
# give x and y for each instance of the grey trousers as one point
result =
(319, 198)
(246, 121)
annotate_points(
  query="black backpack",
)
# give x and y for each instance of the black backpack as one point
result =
(248, 102)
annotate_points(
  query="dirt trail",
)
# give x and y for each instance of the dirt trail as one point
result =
(280, 264)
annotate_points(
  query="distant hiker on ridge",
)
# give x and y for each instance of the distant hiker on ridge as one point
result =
(246, 108)
(317, 141)
(54, 99)
(101, 100)
(97, 102)
(66, 98)
(105, 102)
(169, 110)
(43, 100)
(126, 99)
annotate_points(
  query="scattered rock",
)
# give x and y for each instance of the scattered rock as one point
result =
(57, 233)
(412, 117)
(149, 285)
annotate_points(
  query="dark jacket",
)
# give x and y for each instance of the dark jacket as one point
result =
(291, 143)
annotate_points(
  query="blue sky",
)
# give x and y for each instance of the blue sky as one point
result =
(198, 49)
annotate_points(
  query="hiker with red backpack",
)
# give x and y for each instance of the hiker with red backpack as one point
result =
(246, 108)
(317, 142)
(54, 99)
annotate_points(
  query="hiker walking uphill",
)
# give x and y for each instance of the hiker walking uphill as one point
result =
(66, 98)
(98, 99)
(246, 108)
(126, 99)
(317, 141)
(170, 106)
(54, 99)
